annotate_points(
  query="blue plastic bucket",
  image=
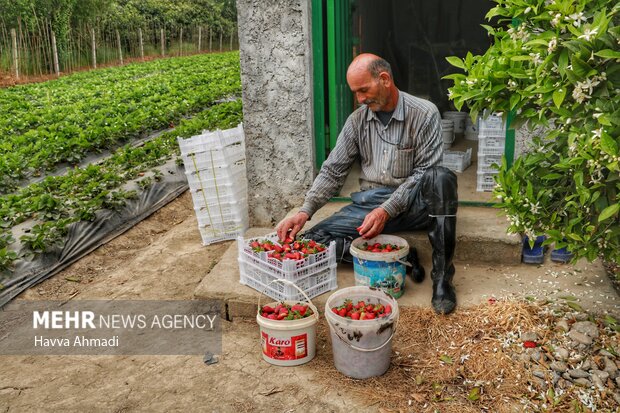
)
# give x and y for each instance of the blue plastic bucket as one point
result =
(384, 270)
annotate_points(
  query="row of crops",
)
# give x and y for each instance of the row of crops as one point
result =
(50, 127)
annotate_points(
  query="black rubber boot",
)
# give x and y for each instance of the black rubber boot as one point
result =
(416, 271)
(442, 235)
(441, 197)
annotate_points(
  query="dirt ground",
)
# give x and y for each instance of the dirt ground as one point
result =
(162, 258)
(158, 259)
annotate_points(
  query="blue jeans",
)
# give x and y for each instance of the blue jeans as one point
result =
(435, 194)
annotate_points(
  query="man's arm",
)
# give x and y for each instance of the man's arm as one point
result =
(428, 152)
(328, 182)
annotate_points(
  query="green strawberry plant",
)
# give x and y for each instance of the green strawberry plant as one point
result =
(58, 201)
(555, 63)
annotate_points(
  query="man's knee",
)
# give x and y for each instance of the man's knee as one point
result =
(440, 190)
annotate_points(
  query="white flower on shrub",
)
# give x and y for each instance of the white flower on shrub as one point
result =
(553, 44)
(536, 59)
(576, 18)
(556, 20)
(588, 34)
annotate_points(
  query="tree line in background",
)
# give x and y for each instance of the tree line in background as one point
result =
(39, 37)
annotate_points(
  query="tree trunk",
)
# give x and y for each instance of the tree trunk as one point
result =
(141, 43)
(163, 48)
(120, 50)
(93, 47)
(199, 38)
(15, 60)
(55, 54)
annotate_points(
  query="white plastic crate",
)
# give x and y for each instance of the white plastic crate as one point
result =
(224, 195)
(485, 162)
(217, 178)
(492, 125)
(489, 145)
(315, 274)
(211, 234)
(221, 213)
(213, 158)
(485, 181)
(218, 194)
(456, 160)
(212, 140)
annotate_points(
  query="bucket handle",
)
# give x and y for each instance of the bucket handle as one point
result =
(282, 280)
(359, 348)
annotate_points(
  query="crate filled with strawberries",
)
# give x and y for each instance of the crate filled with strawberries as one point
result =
(310, 265)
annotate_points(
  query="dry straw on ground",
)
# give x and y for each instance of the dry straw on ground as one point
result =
(454, 363)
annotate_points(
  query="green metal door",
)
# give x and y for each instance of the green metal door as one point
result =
(332, 53)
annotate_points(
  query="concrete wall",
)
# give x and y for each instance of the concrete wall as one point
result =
(276, 76)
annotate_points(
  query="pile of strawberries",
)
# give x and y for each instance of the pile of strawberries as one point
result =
(376, 247)
(288, 249)
(362, 311)
(284, 311)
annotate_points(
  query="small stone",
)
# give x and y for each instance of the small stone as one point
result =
(586, 365)
(558, 366)
(537, 356)
(567, 376)
(578, 373)
(617, 397)
(538, 373)
(610, 367)
(525, 358)
(556, 378)
(561, 354)
(582, 381)
(563, 384)
(562, 325)
(605, 353)
(603, 375)
(581, 317)
(529, 336)
(586, 327)
(541, 383)
(598, 383)
(580, 338)
(618, 382)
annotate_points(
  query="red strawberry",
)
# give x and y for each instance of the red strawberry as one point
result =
(355, 315)
(342, 312)
(370, 308)
(370, 316)
(335, 310)
(268, 309)
(272, 317)
(530, 344)
(388, 309)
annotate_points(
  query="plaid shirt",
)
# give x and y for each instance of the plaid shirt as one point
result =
(395, 155)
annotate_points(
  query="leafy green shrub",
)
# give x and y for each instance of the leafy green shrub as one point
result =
(555, 63)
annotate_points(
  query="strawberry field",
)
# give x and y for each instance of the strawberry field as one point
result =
(91, 141)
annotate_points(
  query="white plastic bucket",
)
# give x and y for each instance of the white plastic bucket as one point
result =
(362, 348)
(288, 342)
(458, 118)
(384, 270)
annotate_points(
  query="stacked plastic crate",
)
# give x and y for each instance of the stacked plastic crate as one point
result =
(216, 174)
(491, 146)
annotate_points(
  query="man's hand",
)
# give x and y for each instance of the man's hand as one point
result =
(292, 224)
(373, 223)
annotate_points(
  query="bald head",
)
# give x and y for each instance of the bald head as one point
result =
(371, 63)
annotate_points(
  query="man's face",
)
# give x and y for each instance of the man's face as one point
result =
(368, 90)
